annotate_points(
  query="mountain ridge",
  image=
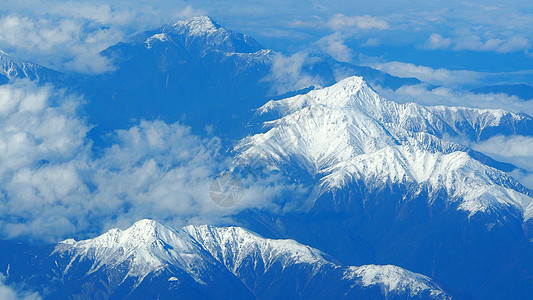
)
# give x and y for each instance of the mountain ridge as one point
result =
(347, 132)
(151, 253)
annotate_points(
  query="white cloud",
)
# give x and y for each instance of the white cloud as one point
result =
(38, 125)
(366, 22)
(334, 46)
(436, 41)
(10, 293)
(288, 73)
(513, 146)
(466, 40)
(429, 75)
(64, 44)
(53, 186)
(372, 42)
(475, 43)
(446, 96)
(69, 36)
(517, 150)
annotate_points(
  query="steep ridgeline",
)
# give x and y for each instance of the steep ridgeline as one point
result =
(391, 183)
(153, 261)
(196, 70)
(11, 68)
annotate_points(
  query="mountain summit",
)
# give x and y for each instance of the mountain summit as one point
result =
(392, 184)
(347, 133)
(153, 261)
(200, 35)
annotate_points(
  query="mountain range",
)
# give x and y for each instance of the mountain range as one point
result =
(193, 70)
(398, 205)
(392, 178)
(150, 260)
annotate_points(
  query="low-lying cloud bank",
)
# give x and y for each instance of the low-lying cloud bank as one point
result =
(428, 95)
(53, 185)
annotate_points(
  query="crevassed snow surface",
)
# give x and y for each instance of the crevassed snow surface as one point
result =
(148, 246)
(348, 132)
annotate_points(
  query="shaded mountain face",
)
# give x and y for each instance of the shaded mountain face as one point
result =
(391, 185)
(153, 261)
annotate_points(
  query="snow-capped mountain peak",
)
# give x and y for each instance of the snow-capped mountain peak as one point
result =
(348, 133)
(200, 35)
(394, 279)
(148, 248)
(234, 245)
(11, 68)
(201, 25)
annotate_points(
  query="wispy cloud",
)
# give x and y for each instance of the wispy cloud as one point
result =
(446, 77)
(334, 45)
(288, 73)
(512, 149)
(366, 22)
(426, 74)
(456, 97)
(476, 43)
(436, 41)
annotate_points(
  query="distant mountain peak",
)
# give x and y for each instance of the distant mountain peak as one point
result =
(201, 25)
(147, 246)
(11, 68)
(200, 35)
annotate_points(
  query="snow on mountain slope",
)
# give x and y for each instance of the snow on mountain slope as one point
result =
(10, 68)
(347, 133)
(393, 279)
(234, 246)
(200, 35)
(148, 247)
(355, 95)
